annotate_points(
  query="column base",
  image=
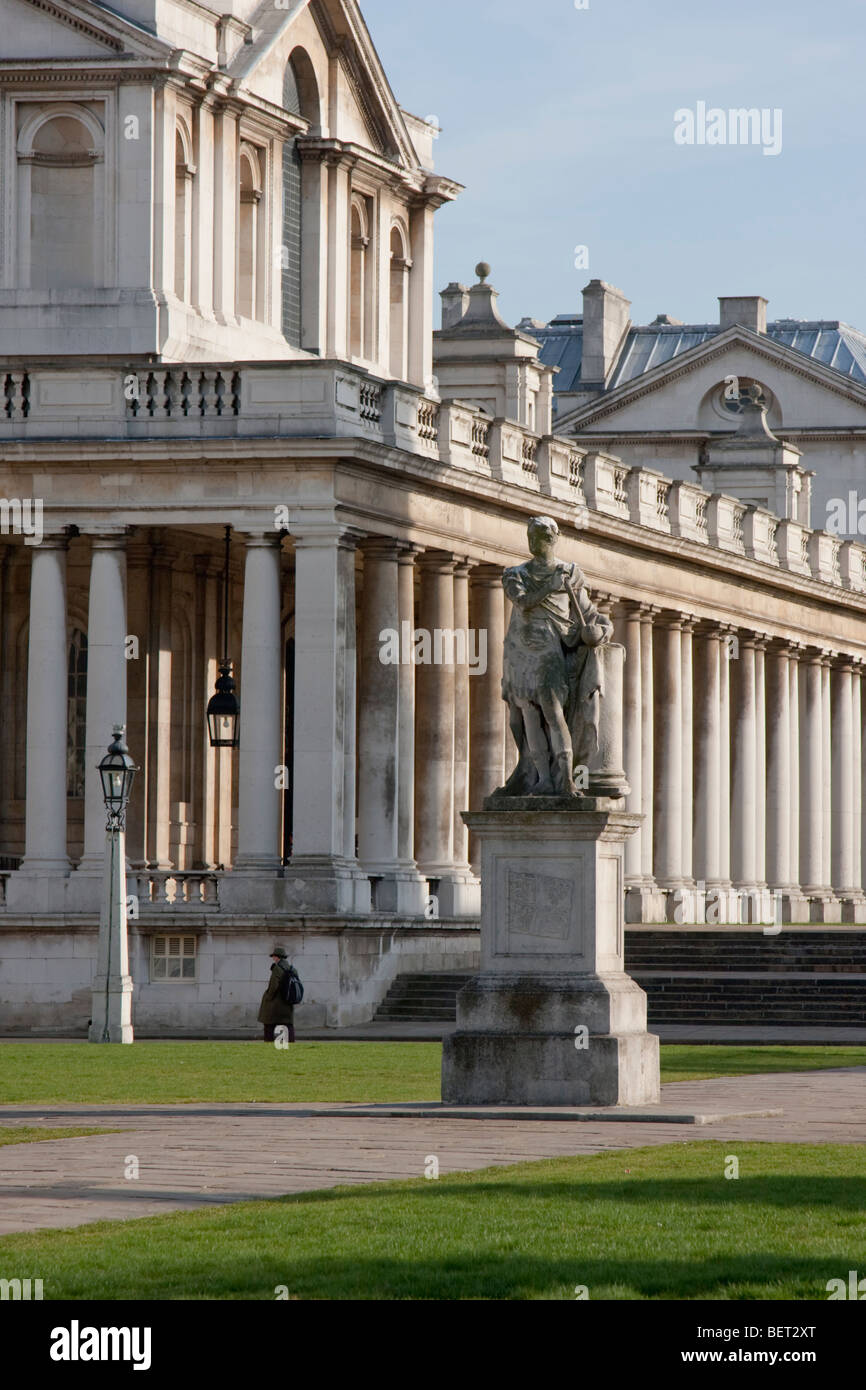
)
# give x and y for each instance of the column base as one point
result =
(551, 1040)
(114, 1023)
(455, 887)
(399, 890)
(321, 884)
(646, 902)
(30, 891)
(824, 908)
(853, 908)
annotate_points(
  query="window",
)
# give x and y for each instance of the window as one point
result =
(173, 958)
(76, 714)
(61, 198)
(290, 263)
(250, 283)
(399, 304)
(358, 281)
(184, 171)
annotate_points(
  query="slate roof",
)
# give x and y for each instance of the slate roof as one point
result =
(830, 342)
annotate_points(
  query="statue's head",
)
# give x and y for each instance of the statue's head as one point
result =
(542, 532)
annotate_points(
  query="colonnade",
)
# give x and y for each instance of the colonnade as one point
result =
(743, 750)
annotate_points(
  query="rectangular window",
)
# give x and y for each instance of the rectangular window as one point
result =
(173, 958)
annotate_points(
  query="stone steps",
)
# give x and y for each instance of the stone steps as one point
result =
(738, 978)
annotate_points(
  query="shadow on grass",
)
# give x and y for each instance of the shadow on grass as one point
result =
(806, 1190)
(485, 1275)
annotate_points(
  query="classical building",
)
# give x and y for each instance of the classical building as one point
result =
(217, 324)
(663, 394)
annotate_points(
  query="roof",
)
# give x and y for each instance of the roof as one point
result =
(832, 343)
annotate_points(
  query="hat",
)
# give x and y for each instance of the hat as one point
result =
(278, 951)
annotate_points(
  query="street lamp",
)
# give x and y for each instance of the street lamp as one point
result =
(111, 1005)
(117, 771)
(223, 711)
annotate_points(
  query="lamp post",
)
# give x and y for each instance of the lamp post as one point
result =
(223, 711)
(111, 1007)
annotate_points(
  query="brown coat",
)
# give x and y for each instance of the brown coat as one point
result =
(273, 1009)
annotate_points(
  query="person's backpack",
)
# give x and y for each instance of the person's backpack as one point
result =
(291, 989)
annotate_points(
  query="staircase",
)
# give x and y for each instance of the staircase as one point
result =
(422, 998)
(797, 979)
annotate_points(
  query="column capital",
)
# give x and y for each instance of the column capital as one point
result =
(670, 618)
(58, 541)
(322, 536)
(109, 540)
(439, 561)
(649, 612)
(381, 547)
(485, 575)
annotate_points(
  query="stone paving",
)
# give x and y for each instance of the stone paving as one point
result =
(206, 1154)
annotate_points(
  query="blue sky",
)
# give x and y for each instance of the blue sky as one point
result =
(560, 123)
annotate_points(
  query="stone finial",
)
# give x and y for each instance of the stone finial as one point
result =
(482, 270)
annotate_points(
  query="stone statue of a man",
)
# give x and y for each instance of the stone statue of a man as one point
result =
(552, 676)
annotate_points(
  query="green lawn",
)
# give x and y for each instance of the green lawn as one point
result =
(162, 1073)
(30, 1134)
(657, 1223)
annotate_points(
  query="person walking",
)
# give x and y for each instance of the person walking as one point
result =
(274, 1009)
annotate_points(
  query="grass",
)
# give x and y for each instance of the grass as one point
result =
(30, 1134)
(167, 1073)
(650, 1223)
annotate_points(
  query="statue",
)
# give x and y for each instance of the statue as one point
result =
(552, 677)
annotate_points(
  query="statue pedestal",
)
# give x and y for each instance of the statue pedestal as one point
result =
(552, 1019)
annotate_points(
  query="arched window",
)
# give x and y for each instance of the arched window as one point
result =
(76, 713)
(358, 318)
(399, 304)
(183, 176)
(61, 233)
(249, 286)
(301, 98)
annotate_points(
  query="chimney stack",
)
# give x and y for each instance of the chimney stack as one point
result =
(605, 320)
(455, 302)
(747, 311)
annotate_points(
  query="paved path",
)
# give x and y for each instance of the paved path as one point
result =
(195, 1155)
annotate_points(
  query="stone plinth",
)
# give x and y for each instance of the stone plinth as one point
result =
(552, 1019)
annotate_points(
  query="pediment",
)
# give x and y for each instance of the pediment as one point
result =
(670, 397)
(343, 35)
(36, 30)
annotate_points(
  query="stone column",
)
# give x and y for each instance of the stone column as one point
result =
(826, 780)
(708, 765)
(106, 683)
(728, 652)
(811, 778)
(794, 818)
(743, 790)
(159, 654)
(857, 788)
(206, 654)
(45, 853)
(487, 709)
(648, 613)
(632, 754)
(668, 781)
(688, 747)
(779, 772)
(379, 733)
(434, 734)
(760, 762)
(844, 878)
(260, 695)
(406, 700)
(324, 874)
(461, 712)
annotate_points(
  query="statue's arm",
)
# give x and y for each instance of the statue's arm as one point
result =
(516, 589)
(595, 628)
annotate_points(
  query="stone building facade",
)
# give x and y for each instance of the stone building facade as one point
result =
(258, 353)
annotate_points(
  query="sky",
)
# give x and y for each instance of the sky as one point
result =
(560, 123)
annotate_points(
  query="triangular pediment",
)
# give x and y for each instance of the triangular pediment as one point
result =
(669, 397)
(343, 34)
(40, 30)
